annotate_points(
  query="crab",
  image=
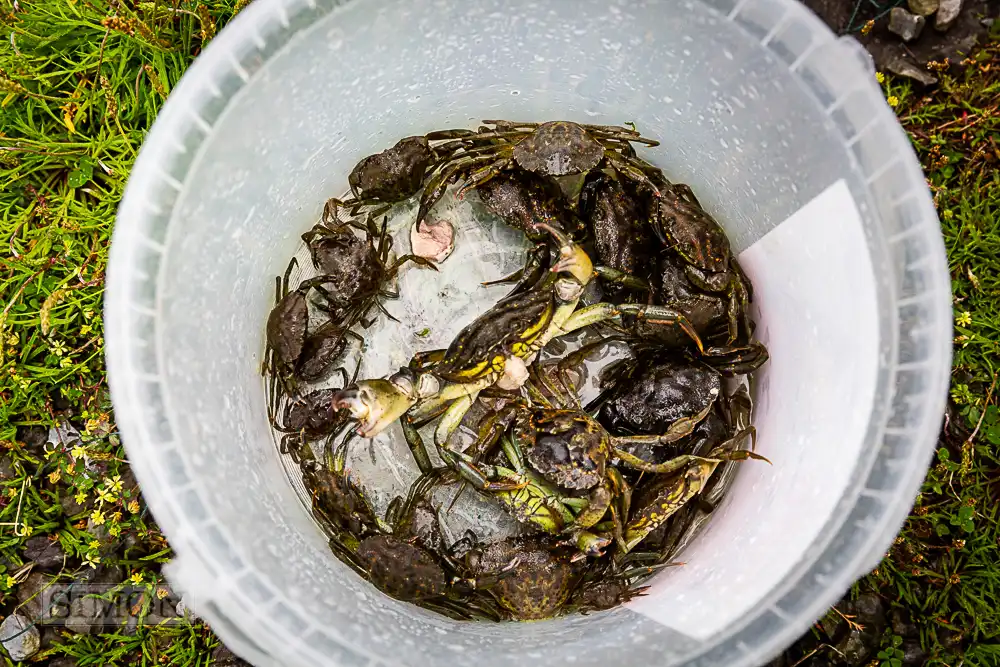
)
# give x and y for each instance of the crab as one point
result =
(310, 417)
(353, 269)
(287, 326)
(658, 502)
(521, 199)
(564, 457)
(289, 348)
(555, 148)
(656, 394)
(683, 225)
(616, 217)
(322, 349)
(397, 173)
(530, 577)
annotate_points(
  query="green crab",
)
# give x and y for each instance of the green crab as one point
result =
(682, 224)
(559, 474)
(658, 502)
(497, 345)
(531, 577)
(556, 148)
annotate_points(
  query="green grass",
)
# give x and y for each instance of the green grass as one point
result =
(80, 84)
(945, 565)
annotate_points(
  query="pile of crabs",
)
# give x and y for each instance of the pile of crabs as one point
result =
(605, 491)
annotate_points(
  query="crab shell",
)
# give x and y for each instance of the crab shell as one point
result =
(540, 583)
(559, 148)
(402, 570)
(567, 447)
(394, 174)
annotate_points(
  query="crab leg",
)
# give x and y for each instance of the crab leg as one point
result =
(453, 417)
(439, 183)
(666, 503)
(620, 277)
(600, 312)
(624, 165)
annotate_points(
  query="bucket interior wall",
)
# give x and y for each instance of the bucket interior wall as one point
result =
(734, 122)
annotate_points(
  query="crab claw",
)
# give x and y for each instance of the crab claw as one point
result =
(375, 404)
(588, 544)
(572, 258)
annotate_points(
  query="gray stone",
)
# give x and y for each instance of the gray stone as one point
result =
(923, 7)
(869, 611)
(43, 551)
(223, 657)
(906, 25)
(184, 611)
(901, 624)
(19, 637)
(50, 637)
(32, 436)
(855, 648)
(6, 468)
(830, 623)
(62, 662)
(31, 598)
(85, 615)
(910, 71)
(913, 653)
(947, 13)
(71, 508)
(62, 437)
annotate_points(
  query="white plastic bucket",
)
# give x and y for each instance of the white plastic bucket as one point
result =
(779, 128)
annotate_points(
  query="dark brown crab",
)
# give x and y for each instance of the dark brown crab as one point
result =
(397, 173)
(555, 148)
(616, 217)
(697, 238)
(656, 394)
(287, 326)
(353, 269)
(522, 199)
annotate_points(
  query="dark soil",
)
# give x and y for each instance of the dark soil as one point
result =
(847, 17)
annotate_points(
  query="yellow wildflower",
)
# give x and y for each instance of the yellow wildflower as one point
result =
(94, 544)
(115, 483)
(54, 476)
(80, 498)
(133, 506)
(78, 452)
(880, 77)
(10, 582)
(97, 516)
(137, 578)
(892, 100)
(963, 319)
